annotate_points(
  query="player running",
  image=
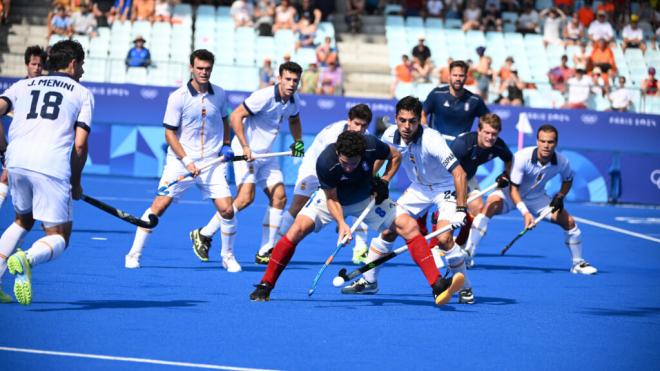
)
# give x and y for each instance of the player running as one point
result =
(533, 167)
(195, 136)
(45, 157)
(256, 124)
(359, 117)
(437, 180)
(344, 170)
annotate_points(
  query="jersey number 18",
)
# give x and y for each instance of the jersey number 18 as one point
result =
(50, 108)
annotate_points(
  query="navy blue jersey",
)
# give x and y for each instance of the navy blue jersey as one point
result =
(355, 186)
(470, 155)
(453, 116)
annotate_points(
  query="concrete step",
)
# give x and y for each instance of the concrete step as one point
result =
(368, 78)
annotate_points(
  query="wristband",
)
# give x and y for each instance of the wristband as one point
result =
(186, 161)
(460, 209)
(522, 208)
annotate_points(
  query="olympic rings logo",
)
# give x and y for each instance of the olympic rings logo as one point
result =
(655, 178)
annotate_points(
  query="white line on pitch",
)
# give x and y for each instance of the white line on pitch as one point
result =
(129, 359)
(616, 229)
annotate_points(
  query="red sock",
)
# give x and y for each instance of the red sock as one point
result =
(465, 231)
(421, 223)
(421, 254)
(279, 258)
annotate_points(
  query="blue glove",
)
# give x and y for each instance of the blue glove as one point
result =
(226, 153)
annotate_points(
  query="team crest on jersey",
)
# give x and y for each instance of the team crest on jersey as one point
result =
(446, 103)
(411, 157)
(467, 106)
(303, 185)
(365, 166)
(251, 169)
(204, 112)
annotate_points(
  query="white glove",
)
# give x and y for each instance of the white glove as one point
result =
(459, 218)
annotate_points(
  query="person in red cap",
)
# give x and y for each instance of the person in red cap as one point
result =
(650, 84)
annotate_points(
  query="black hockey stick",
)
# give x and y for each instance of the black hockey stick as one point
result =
(153, 219)
(542, 216)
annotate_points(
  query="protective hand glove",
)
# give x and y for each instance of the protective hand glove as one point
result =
(557, 203)
(226, 153)
(298, 148)
(502, 180)
(381, 188)
(459, 218)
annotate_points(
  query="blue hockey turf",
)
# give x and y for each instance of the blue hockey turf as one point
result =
(531, 313)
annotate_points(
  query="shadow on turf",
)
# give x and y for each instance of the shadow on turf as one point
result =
(633, 312)
(120, 304)
(380, 300)
(101, 231)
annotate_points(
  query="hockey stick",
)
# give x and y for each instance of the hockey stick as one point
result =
(343, 277)
(153, 219)
(163, 190)
(542, 216)
(341, 244)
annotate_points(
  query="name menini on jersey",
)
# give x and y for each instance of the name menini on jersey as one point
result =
(52, 83)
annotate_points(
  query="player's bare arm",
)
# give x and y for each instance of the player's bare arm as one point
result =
(173, 142)
(460, 184)
(295, 127)
(520, 204)
(393, 164)
(78, 159)
(236, 122)
(226, 135)
(337, 212)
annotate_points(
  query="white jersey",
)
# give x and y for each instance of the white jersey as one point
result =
(531, 176)
(267, 112)
(197, 119)
(324, 138)
(427, 159)
(47, 109)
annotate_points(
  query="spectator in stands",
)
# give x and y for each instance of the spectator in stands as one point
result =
(511, 90)
(35, 59)
(325, 53)
(241, 12)
(421, 71)
(608, 7)
(600, 84)
(633, 35)
(471, 16)
(586, 14)
(143, 10)
(603, 57)
(327, 10)
(308, 10)
(60, 24)
(559, 75)
(581, 57)
(573, 31)
(492, 19)
(509, 5)
(100, 9)
(83, 22)
(621, 98)
(566, 6)
(552, 20)
(528, 20)
(120, 10)
(600, 28)
(330, 80)
(4, 11)
(264, 13)
(650, 84)
(483, 73)
(443, 72)
(163, 11)
(306, 32)
(138, 56)
(402, 73)
(505, 70)
(266, 74)
(453, 9)
(420, 52)
(354, 13)
(434, 8)
(579, 88)
(310, 79)
(413, 8)
(285, 15)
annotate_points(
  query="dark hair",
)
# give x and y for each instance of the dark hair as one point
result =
(63, 52)
(351, 144)
(360, 111)
(411, 104)
(202, 55)
(548, 127)
(292, 67)
(460, 64)
(37, 51)
(491, 120)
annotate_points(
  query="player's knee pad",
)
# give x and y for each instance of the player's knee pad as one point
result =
(455, 257)
(573, 236)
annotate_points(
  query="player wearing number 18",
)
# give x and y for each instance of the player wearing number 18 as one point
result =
(46, 154)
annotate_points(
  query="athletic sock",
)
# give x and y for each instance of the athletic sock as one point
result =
(378, 248)
(141, 236)
(421, 254)
(228, 235)
(3, 193)
(271, 224)
(477, 231)
(361, 234)
(210, 229)
(456, 261)
(46, 249)
(279, 258)
(574, 244)
(286, 223)
(8, 242)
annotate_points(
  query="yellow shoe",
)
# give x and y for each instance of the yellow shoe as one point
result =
(443, 290)
(19, 266)
(4, 298)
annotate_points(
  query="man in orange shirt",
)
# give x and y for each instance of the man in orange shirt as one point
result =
(143, 10)
(402, 73)
(586, 14)
(603, 57)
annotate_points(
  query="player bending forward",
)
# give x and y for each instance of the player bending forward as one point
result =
(344, 170)
(533, 167)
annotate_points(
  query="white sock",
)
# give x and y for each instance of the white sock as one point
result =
(378, 248)
(210, 229)
(477, 231)
(46, 249)
(3, 193)
(271, 224)
(141, 236)
(574, 244)
(456, 261)
(286, 223)
(8, 242)
(228, 229)
(361, 234)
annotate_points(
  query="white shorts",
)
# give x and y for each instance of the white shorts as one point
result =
(212, 182)
(48, 198)
(265, 172)
(535, 205)
(417, 199)
(306, 185)
(379, 218)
